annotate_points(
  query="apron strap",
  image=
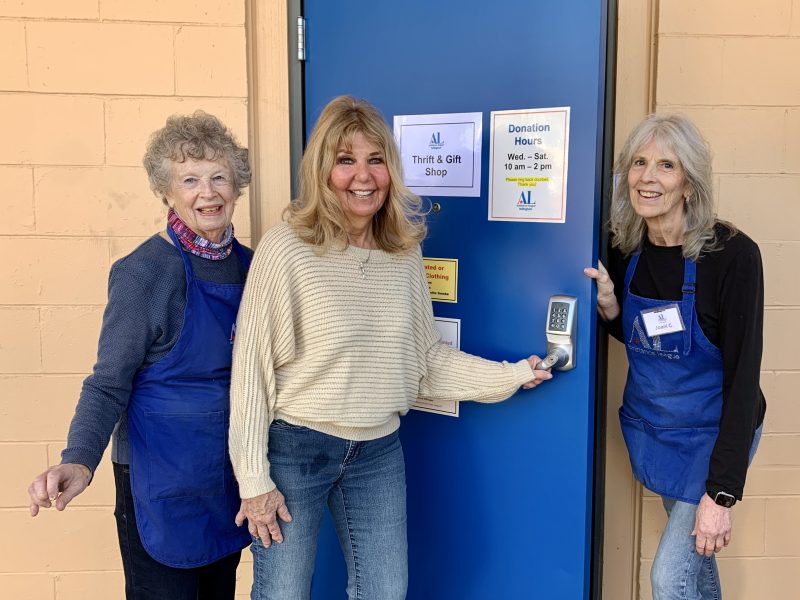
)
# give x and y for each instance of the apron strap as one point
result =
(244, 258)
(687, 303)
(631, 269)
(187, 265)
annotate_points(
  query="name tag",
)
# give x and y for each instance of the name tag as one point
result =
(662, 320)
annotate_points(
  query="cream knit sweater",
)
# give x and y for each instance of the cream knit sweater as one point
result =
(320, 345)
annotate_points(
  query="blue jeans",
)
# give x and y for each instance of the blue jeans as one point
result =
(679, 572)
(148, 579)
(364, 486)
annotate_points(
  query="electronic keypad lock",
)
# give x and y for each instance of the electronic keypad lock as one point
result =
(560, 329)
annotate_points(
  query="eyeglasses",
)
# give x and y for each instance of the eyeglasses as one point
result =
(191, 182)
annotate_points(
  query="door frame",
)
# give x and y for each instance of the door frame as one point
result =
(275, 118)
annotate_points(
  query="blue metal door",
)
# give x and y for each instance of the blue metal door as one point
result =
(500, 498)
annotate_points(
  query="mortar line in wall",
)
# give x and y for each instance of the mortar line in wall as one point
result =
(117, 95)
(731, 36)
(33, 194)
(61, 572)
(758, 557)
(105, 132)
(27, 66)
(40, 332)
(100, 21)
(679, 105)
(73, 236)
(727, 106)
(780, 371)
(174, 23)
(68, 166)
(46, 19)
(72, 508)
(761, 174)
(785, 152)
(29, 442)
(175, 30)
(38, 306)
(51, 374)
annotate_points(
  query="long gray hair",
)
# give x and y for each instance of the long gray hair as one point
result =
(678, 134)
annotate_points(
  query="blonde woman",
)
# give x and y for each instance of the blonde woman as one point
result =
(335, 341)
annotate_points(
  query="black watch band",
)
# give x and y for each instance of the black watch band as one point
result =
(723, 498)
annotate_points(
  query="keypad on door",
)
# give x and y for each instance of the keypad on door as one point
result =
(558, 316)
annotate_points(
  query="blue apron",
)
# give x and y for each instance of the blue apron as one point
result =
(672, 404)
(185, 494)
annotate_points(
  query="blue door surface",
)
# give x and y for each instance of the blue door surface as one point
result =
(499, 498)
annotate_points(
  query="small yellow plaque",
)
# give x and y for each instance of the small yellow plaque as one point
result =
(442, 275)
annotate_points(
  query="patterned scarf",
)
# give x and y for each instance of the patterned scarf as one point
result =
(197, 244)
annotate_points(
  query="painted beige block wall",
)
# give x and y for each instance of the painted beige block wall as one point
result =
(82, 85)
(732, 66)
(75, 130)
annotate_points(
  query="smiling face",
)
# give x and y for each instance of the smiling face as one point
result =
(360, 179)
(658, 188)
(204, 196)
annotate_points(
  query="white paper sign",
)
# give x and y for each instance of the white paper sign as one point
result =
(450, 329)
(528, 165)
(441, 153)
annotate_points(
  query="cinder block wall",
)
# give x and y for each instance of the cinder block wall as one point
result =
(82, 85)
(84, 82)
(733, 67)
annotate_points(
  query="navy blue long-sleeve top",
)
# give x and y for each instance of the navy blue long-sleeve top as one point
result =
(141, 323)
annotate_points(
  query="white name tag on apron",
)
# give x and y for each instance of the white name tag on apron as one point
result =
(662, 320)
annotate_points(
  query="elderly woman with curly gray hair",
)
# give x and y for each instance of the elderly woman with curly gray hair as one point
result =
(159, 388)
(684, 292)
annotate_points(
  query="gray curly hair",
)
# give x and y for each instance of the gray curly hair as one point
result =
(199, 136)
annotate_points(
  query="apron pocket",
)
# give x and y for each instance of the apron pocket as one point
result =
(670, 461)
(633, 431)
(680, 461)
(186, 454)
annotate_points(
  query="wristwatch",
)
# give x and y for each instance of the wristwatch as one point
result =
(723, 498)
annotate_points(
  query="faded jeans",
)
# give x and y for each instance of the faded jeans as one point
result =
(679, 572)
(363, 485)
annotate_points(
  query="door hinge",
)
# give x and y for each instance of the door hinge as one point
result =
(301, 38)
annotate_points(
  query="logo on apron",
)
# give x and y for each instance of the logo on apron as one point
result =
(639, 342)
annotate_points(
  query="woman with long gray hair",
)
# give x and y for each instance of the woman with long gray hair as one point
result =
(684, 292)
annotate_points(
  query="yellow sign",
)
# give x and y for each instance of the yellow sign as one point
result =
(442, 275)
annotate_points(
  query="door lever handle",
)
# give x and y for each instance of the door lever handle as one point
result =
(558, 357)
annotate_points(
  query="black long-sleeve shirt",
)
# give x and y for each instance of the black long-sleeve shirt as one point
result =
(729, 302)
